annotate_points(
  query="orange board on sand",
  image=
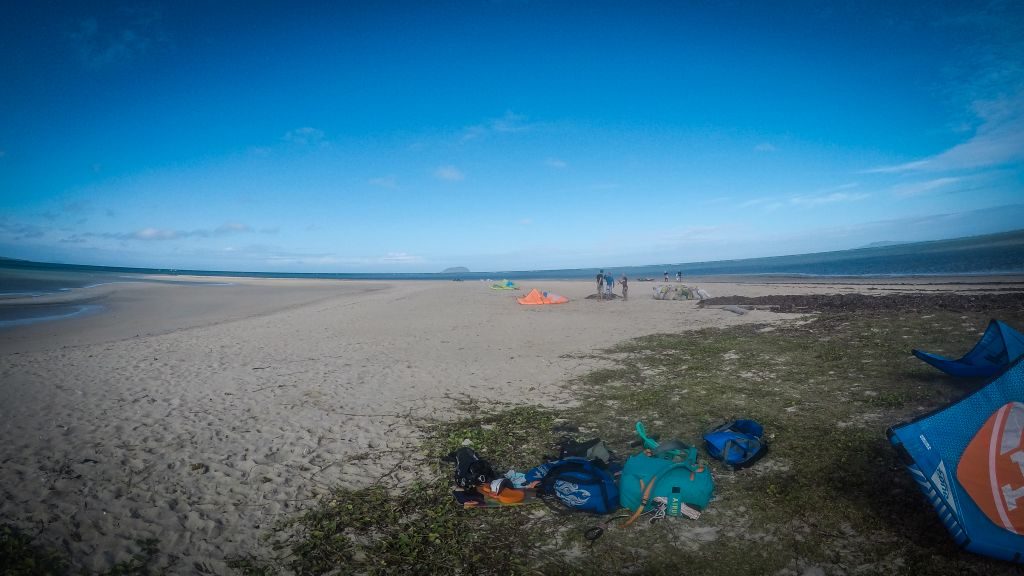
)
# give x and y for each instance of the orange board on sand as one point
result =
(536, 297)
(991, 469)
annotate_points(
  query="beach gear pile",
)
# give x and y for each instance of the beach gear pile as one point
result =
(504, 285)
(968, 457)
(678, 292)
(664, 479)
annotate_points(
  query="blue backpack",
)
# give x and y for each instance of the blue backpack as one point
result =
(578, 484)
(737, 443)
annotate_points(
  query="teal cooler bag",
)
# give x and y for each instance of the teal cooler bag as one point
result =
(682, 481)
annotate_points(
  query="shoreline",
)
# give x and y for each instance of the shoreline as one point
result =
(73, 292)
(199, 415)
(235, 297)
(36, 283)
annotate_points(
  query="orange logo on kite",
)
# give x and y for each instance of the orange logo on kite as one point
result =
(991, 469)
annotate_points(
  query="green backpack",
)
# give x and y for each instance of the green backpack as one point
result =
(671, 472)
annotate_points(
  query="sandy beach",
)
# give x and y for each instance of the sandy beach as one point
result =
(198, 414)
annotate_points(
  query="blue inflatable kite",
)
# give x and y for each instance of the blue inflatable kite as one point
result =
(968, 458)
(998, 347)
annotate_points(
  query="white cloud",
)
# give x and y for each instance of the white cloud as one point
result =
(998, 140)
(276, 257)
(473, 132)
(846, 186)
(158, 234)
(915, 165)
(765, 147)
(692, 235)
(400, 258)
(755, 202)
(715, 201)
(77, 206)
(449, 173)
(155, 234)
(833, 195)
(919, 188)
(304, 136)
(934, 226)
(121, 38)
(18, 231)
(293, 259)
(230, 227)
(385, 181)
(832, 198)
(509, 123)
(555, 163)
(765, 204)
(526, 221)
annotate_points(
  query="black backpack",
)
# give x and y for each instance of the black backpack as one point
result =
(590, 449)
(470, 469)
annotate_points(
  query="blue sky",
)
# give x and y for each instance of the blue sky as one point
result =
(502, 135)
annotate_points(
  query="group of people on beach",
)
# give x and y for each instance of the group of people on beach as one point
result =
(606, 284)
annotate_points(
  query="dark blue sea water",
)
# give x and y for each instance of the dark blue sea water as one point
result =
(995, 254)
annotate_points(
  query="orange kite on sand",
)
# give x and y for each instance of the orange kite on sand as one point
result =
(536, 297)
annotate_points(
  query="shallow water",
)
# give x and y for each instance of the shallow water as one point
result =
(12, 316)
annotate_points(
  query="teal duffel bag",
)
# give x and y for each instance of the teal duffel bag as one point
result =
(670, 472)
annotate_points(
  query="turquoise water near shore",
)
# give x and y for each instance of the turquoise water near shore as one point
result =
(995, 254)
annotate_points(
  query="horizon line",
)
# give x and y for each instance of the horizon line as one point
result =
(881, 245)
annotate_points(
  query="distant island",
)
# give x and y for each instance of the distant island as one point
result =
(884, 243)
(455, 270)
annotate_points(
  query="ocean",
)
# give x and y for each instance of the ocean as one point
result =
(995, 254)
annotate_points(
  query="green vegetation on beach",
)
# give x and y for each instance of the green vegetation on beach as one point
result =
(830, 497)
(831, 494)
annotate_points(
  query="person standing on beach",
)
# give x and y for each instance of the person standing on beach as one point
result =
(600, 284)
(666, 275)
(679, 276)
(609, 283)
(625, 286)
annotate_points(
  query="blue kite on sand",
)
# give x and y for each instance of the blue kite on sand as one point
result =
(968, 458)
(997, 349)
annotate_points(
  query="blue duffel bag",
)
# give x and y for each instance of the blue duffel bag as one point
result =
(578, 484)
(738, 443)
